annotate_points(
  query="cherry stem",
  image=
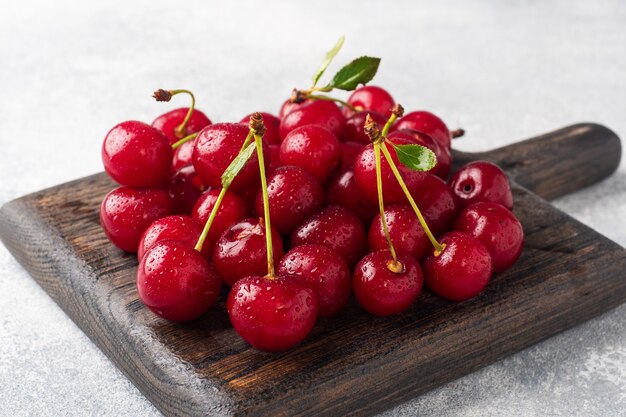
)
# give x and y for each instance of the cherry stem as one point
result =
(166, 95)
(266, 207)
(329, 98)
(438, 246)
(218, 202)
(392, 119)
(185, 139)
(381, 204)
(457, 133)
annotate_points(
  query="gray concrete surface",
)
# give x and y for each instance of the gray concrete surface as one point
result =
(502, 70)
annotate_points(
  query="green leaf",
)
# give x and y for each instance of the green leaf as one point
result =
(329, 57)
(236, 165)
(416, 157)
(359, 71)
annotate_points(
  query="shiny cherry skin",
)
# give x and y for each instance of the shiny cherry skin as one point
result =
(428, 123)
(365, 174)
(461, 271)
(336, 228)
(373, 98)
(437, 203)
(317, 112)
(497, 228)
(271, 123)
(137, 154)
(323, 269)
(349, 152)
(274, 156)
(288, 106)
(168, 122)
(343, 191)
(126, 212)
(294, 196)
(241, 251)
(180, 228)
(183, 155)
(216, 146)
(272, 314)
(232, 210)
(382, 292)
(444, 157)
(314, 149)
(481, 181)
(405, 230)
(354, 131)
(185, 189)
(175, 282)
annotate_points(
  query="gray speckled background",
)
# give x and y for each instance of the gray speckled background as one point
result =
(502, 70)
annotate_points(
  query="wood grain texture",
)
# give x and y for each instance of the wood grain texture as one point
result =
(351, 364)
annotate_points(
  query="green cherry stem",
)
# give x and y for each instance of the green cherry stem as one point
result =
(166, 95)
(183, 140)
(329, 98)
(438, 246)
(266, 207)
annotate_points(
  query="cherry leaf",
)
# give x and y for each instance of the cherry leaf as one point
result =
(359, 71)
(327, 60)
(237, 165)
(416, 157)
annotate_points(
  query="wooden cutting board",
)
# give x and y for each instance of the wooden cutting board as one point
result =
(353, 363)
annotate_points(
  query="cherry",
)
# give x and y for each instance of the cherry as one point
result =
(271, 124)
(168, 122)
(496, 228)
(241, 252)
(182, 229)
(288, 106)
(481, 181)
(185, 189)
(317, 112)
(216, 146)
(365, 174)
(272, 314)
(137, 154)
(233, 209)
(354, 130)
(405, 230)
(343, 191)
(383, 287)
(183, 155)
(444, 157)
(461, 271)
(436, 201)
(313, 148)
(274, 156)
(294, 195)
(427, 123)
(372, 98)
(325, 270)
(126, 212)
(349, 152)
(176, 282)
(336, 228)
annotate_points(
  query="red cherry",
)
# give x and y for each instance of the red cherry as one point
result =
(216, 146)
(272, 314)
(274, 156)
(382, 292)
(182, 229)
(370, 97)
(323, 269)
(168, 122)
(428, 123)
(183, 155)
(365, 174)
(336, 228)
(354, 130)
(405, 230)
(436, 201)
(185, 189)
(126, 212)
(343, 191)
(241, 250)
(461, 271)
(349, 152)
(313, 148)
(481, 181)
(317, 112)
(271, 123)
(232, 209)
(137, 154)
(496, 228)
(294, 196)
(288, 106)
(176, 282)
(444, 157)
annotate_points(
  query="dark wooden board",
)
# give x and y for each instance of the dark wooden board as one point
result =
(353, 363)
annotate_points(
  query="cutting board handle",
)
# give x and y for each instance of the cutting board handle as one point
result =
(558, 162)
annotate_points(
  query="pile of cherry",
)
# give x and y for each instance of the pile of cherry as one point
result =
(196, 200)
